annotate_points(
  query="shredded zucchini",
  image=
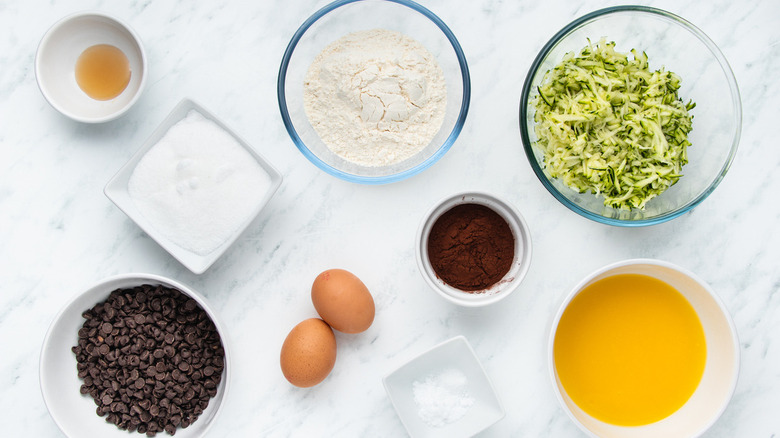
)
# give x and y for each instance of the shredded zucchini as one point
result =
(608, 125)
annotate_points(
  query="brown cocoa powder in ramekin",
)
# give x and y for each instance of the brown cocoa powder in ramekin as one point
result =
(471, 247)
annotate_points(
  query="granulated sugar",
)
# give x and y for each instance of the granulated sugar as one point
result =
(197, 185)
(375, 97)
(442, 398)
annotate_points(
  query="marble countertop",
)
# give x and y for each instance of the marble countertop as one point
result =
(59, 234)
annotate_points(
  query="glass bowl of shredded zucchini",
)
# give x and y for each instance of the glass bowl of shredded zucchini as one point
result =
(630, 116)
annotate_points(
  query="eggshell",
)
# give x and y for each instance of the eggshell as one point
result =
(308, 353)
(343, 301)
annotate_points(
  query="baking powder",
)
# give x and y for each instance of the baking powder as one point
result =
(197, 185)
(375, 97)
(443, 398)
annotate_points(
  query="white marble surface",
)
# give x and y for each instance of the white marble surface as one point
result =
(59, 234)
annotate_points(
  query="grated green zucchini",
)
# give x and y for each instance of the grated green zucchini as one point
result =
(609, 126)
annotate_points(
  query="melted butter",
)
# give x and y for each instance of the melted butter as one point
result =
(630, 350)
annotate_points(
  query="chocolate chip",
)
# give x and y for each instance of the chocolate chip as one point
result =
(150, 358)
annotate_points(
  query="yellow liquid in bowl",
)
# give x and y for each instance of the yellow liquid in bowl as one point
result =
(103, 72)
(629, 350)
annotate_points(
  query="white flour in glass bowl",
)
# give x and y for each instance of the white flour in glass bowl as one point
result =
(375, 97)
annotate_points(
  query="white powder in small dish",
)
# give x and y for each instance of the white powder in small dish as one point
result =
(443, 398)
(375, 97)
(197, 185)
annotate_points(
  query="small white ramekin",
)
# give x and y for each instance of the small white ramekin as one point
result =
(55, 63)
(503, 287)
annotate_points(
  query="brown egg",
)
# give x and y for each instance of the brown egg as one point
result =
(343, 301)
(308, 353)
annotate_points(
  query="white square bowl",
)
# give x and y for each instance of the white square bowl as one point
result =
(117, 191)
(457, 354)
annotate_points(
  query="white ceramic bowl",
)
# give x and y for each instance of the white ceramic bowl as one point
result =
(453, 354)
(503, 287)
(117, 191)
(720, 371)
(56, 57)
(75, 413)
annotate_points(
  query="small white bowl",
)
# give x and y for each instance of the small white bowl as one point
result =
(503, 287)
(721, 368)
(117, 191)
(75, 413)
(55, 63)
(453, 354)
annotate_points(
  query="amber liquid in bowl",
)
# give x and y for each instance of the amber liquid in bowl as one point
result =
(629, 350)
(103, 72)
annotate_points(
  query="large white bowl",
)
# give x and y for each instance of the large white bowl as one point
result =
(56, 57)
(75, 413)
(721, 368)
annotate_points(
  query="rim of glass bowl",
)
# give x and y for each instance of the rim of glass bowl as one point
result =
(576, 24)
(464, 69)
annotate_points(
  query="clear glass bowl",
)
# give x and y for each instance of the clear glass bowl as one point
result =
(707, 79)
(346, 16)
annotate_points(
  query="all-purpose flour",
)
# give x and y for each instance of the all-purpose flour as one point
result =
(197, 185)
(375, 97)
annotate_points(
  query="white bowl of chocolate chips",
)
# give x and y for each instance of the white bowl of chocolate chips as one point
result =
(135, 352)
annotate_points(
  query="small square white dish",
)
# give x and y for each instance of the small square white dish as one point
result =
(117, 191)
(452, 356)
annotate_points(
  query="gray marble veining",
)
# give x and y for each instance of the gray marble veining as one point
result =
(59, 234)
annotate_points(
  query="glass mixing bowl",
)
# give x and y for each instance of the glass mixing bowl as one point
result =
(678, 46)
(346, 16)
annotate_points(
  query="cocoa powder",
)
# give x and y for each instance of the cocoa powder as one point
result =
(471, 247)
